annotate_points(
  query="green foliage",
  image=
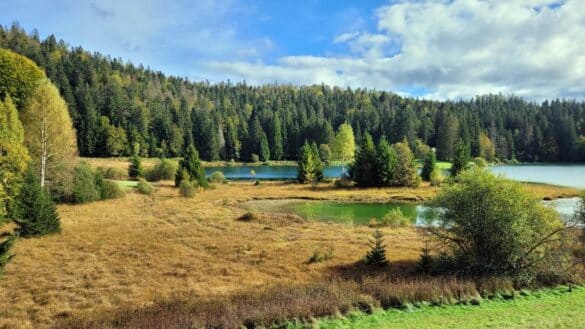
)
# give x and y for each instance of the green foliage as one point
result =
(395, 218)
(255, 158)
(480, 162)
(165, 169)
(429, 165)
(363, 169)
(187, 189)
(437, 177)
(113, 173)
(343, 147)
(310, 167)
(190, 168)
(5, 254)
(13, 155)
(460, 159)
(18, 76)
(318, 256)
(144, 187)
(36, 213)
(86, 184)
(425, 262)
(135, 168)
(217, 177)
(386, 160)
(324, 152)
(580, 216)
(405, 173)
(376, 256)
(110, 190)
(492, 226)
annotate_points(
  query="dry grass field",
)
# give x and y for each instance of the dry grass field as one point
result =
(140, 250)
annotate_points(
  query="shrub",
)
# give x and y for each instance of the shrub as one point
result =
(113, 173)
(395, 218)
(248, 217)
(110, 190)
(257, 183)
(217, 177)
(135, 169)
(187, 189)
(255, 158)
(343, 182)
(35, 213)
(85, 184)
(165, 169)
(437, 177)
(190, 168)
(480, 162)
(319, 256)
(376, 256)
(429, 166)
(144, 187)
(492, 226)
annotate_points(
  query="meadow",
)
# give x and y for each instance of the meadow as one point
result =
(117, 261)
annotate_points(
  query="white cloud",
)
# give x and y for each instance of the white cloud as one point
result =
(454, 49)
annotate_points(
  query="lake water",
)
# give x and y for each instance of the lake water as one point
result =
(564, 175)
(360, 213)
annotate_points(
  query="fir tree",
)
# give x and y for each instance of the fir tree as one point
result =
(5, 255)
(362, 171)
(376, 256)
(428, 166)
(461, 158)
(36, 213)
(405, 173)
(386, 160)
(425, 262)
(319, 165)
(190, 167)
(306, 164)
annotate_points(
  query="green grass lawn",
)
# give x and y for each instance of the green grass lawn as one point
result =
(127, 184)
(555, 309)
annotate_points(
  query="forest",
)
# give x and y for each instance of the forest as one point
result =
(119, 108)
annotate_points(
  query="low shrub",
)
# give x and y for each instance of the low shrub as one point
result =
(319, 256)
(165, 169)
(217, 177)
(187, 189)
(395, 218)
(135, 168)
(86, 184)
(255, 158)
(144, 187)
(342, 183)
(248, 217)
(113, 173)
(437, 177)
(480, 162)
(110, 190)
(257, 183)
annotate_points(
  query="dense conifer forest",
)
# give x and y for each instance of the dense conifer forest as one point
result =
(119, 108)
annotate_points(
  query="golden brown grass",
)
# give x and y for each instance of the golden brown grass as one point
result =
(139, 249)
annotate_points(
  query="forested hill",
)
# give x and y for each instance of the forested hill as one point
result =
(119, 108)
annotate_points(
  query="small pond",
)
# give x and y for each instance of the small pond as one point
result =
(361, 213)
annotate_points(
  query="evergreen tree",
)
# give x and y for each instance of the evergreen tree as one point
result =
(319, 165)
(428, 166)
(405, 173)
(190, 168)
(264, 148)
(306, 165)
(461, 158)
(5, 255)
(363, 169)
(35, 212)
(276, 146)
(376, 256)
(386, 160)
(135, 168)
(344, 143)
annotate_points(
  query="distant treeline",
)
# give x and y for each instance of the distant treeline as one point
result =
(120, 109)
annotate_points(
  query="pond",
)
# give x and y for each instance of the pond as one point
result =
(563, 175)
(361, 213)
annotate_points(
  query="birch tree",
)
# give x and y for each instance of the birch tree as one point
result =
(49, 133)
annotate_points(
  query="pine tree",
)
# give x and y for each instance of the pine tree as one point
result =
(35, 212)
(405, 171)
(190, 167)
(428, 166)
(461, 158)
(425, 262)
(276, 147)
(386, 160)
(135, 168)
(363, 169)
(319, 165)
(264, 148)
(376, 256)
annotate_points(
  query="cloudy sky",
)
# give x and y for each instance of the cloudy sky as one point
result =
(436, 49)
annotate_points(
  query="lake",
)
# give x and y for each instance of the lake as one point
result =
(361, 213)
(572, 175)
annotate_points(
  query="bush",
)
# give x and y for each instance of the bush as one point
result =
(135, 169)
(319, 256)
(5, 255)
(255, 158)
(85, 184)
(113, 173)
(187, 189)
(217, 177)
(144, 187)
(110, 190)
(165, 169)
(395, 218)
(257, 183)
(248, 217)
(480, 162)
(437, 177)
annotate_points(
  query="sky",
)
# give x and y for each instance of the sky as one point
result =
(437, 49)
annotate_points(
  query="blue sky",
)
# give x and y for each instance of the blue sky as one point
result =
(437, 48)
